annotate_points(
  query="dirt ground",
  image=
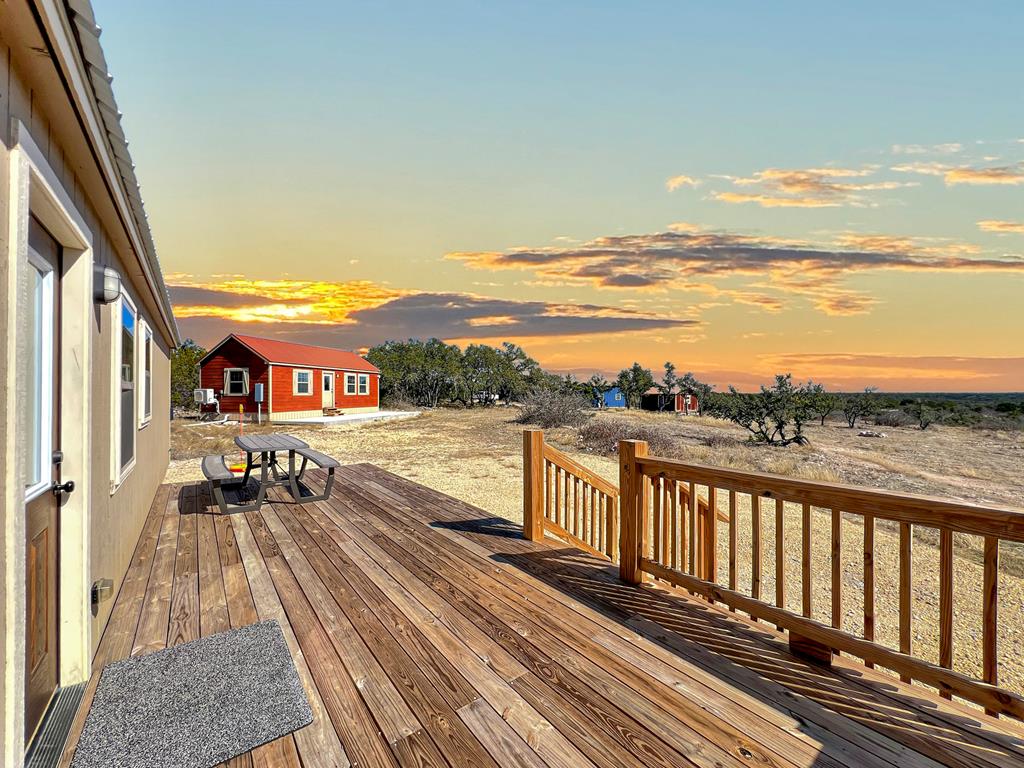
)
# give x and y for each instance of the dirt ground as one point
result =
(476, 455)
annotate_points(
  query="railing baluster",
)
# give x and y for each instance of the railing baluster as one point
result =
(837, 569)
(684, 530)
(711, 542)
(656, 517)
(732, 542)
(559, 497)
(694, 537)
(805, 561)
(612, 508)
(674, 512)
(990, 615)
(906, 584)
(755, 549)
(548, 507)
(666, 522)
(576, 506)
(945, 601)
(869, 580)
(780, 554)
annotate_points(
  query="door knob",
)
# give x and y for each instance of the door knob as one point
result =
(59, 488)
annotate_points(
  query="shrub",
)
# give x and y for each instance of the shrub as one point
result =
(549, 408)
(893, 417)
(603, 435)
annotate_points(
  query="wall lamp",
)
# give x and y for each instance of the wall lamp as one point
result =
(106, 284)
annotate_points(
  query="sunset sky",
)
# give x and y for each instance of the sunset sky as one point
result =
(741, 188)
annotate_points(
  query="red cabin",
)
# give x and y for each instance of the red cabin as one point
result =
(682, 403)
(297, 381)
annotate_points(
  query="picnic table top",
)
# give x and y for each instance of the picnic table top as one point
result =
(272, 441)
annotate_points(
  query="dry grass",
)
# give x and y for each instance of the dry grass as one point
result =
(476, 455)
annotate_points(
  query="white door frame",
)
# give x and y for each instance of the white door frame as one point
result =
(36, 189)
(328, 376)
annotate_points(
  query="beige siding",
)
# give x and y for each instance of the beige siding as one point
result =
(116, 519)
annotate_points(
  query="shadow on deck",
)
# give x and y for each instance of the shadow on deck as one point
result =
(429, 633)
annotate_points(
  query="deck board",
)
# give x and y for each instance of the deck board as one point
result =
(428, 633)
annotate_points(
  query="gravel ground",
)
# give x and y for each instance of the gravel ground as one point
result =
(476, 455)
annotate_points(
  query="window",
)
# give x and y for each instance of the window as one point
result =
(125, 408)
(364, 384)
(618, 397)
(146, 372)
(40, 409)
(236, 382)
(350, 383)
(302, 382)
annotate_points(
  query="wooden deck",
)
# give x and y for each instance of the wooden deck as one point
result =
(428, 633)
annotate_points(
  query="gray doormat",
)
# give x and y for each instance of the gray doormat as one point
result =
(195, 705)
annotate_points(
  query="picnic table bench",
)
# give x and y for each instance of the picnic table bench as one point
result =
(272, 473)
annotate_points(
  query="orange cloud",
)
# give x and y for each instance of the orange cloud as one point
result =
(1007, 174)
(927, 149)
(807, 188)
(770, 268)
(269, 301)
(918, 373)
(1001, 227)
(770, 201)
(681, 180)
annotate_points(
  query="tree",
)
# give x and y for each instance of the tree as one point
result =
(633, 382)
(923, 413)
(597, 385)
(424, 373)
(776, 415)
(668, 387)
(860, 405)
(518, 374)
(823, 403)
(185, 372)
(691, 385)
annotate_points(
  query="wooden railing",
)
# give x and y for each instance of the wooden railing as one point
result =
(677, 542)
(564, 498)
(666, 522)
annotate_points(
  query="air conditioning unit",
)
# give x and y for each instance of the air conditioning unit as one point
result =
(203, 396)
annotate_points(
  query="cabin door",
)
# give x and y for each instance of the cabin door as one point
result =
(42, 463)
(328, 389)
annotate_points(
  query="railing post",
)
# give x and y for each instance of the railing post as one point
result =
(533, 484)
(633, 506)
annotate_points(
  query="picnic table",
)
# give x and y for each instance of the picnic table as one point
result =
(271, 472)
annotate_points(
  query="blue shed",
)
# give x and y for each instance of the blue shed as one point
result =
(613, 398)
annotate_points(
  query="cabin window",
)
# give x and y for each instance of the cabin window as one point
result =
(364, 384)
(146, 373)
(236, 382)
(350, 383)
(303, 382)
(618, 397)
(125, 367)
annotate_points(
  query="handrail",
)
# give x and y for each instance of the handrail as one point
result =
(1004, 523)
(654, 543)
(572, 466)
(567, 500)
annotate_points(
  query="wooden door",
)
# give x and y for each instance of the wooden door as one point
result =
(42, 447)
(328, 389)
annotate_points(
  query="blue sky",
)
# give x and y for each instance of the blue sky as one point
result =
(365, 144)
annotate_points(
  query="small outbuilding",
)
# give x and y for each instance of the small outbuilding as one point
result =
(286, 381)
(611, 398)
(678, 403)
